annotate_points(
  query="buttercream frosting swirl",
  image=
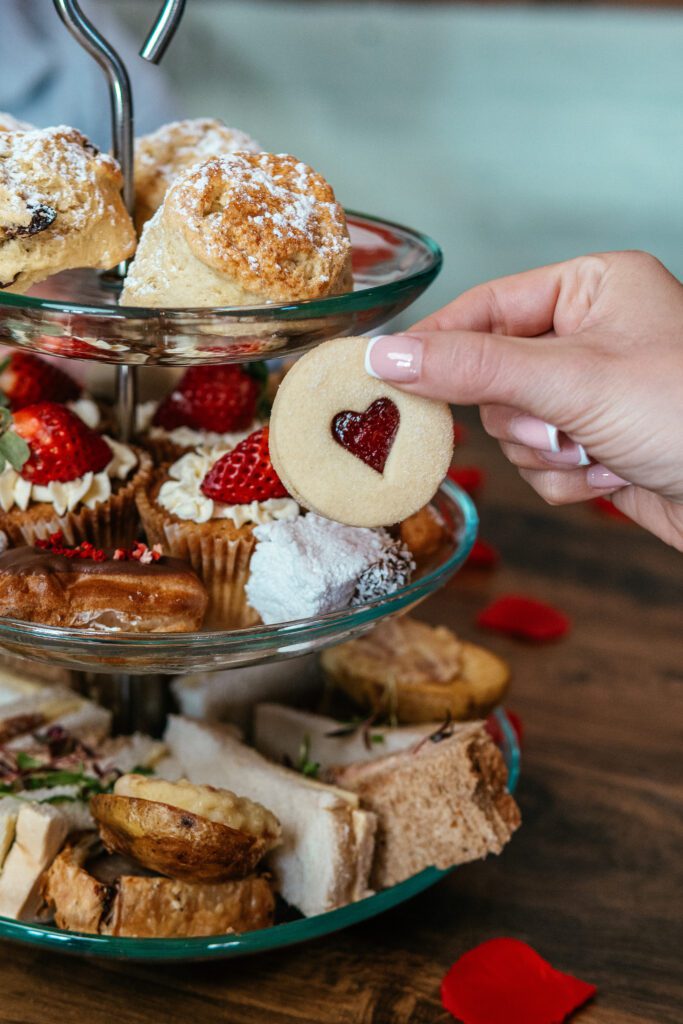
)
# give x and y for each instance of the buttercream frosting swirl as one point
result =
(90, 489)
(188, 437)
(182, 496)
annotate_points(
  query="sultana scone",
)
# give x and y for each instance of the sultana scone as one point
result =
(417, 673)
(162, 155)
(240, 230)
(10, 123)
(60, 207)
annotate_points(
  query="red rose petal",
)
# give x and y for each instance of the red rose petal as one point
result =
(606, 508)
(505, 981)
(496, 733)
(459, 433)
(524, 617)
(470, 478)
(482, 556)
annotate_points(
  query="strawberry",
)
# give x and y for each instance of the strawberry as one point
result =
(25, 379)
(245, 474)
(61, 446)
(217, 398)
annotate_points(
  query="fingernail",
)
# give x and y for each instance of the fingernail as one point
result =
(570, 454)
(535, 433)
(394, 357)
(601, 477)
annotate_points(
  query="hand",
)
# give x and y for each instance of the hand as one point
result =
(576, 363)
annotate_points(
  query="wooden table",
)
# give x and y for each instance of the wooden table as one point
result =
(593, 878)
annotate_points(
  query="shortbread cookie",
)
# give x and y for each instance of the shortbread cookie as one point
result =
(60, 207)
(242, 230)
(162, 155)
(354, 448)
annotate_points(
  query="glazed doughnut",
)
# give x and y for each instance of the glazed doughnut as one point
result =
(354, 448)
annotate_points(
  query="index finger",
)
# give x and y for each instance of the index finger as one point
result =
(547, 300)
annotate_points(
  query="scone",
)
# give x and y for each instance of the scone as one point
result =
(204, 508)
(239, 230)
(162, 155)
(136, 590)
(61, 476)
(417, 673)
(9, 123)
(60, 207)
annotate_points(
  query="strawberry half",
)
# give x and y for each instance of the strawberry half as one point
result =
(26, 379)
(217, 398)
(61, 446)
(245, 474)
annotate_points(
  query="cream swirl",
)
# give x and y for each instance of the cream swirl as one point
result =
(87, 410)
(188, 437)
(183, 497)
(90, 489)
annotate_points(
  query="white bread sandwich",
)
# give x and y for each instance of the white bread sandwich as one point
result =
(325, 856)
(230, 695)
(282, 734)
(439, 791)
(26, 708)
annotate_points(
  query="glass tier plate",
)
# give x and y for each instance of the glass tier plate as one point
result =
(280, 935)
(74, 314)
(170, 653)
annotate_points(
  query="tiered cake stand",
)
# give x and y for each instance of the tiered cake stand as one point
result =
(75, 315)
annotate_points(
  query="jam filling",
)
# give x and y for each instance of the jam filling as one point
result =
(368, 435)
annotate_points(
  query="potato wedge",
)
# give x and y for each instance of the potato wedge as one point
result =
(176, 842)
(417, 673)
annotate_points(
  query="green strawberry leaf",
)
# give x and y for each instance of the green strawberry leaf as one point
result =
(13, 449)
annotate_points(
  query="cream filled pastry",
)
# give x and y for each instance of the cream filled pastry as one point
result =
(313, 565)
(83, 587)
(239, 230)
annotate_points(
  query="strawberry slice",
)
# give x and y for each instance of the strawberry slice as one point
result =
(216, 398)
(245, 474)
(61, 446)
(26, 379)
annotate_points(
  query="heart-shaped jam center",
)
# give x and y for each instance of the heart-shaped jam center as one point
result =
(368, 435)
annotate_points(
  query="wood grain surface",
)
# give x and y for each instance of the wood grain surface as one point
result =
(593, 878)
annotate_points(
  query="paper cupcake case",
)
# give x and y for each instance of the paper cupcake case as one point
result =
(110, 524)
(218, 553)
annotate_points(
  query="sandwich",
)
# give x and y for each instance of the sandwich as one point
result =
(439, 792)
(325, 855)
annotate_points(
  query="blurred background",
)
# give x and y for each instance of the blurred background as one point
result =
(515, 135)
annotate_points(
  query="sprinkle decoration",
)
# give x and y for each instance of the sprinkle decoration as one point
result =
(482, 556)
(505, 981)
(470, 478)
(138, 553)
(525, 618)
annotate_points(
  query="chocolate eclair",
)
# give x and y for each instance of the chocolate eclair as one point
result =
(137, 590)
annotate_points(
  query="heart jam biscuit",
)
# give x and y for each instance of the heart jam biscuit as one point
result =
(368, 435)
(353, 448)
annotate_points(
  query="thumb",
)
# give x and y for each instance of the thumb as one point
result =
(539, 376)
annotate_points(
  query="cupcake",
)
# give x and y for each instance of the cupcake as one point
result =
(59, 476)
(210, 407)
(205, 508)
(26, 379)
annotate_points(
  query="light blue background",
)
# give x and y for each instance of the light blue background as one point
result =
(516, 136)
